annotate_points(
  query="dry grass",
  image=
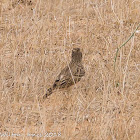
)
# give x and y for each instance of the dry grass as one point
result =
(36, 39)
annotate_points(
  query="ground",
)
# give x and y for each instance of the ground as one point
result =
(36, 40)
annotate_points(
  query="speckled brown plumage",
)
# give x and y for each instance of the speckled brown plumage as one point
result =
(70, 75)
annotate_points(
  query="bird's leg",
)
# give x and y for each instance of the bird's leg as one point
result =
(66, 94)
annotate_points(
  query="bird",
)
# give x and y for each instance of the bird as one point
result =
(70, 75)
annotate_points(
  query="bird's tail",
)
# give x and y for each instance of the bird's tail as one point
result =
(48, 92)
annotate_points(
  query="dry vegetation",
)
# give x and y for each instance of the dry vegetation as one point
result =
(36, 39)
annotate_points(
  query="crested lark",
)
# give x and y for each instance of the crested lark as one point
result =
(70, 75)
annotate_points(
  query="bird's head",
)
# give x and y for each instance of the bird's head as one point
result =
(76, 55)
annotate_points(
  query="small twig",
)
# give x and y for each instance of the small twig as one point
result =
(124, 44)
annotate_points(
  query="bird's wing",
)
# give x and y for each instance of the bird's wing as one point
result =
(62, 79)
(68, 76)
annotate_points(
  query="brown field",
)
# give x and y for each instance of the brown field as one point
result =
(36, 40)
